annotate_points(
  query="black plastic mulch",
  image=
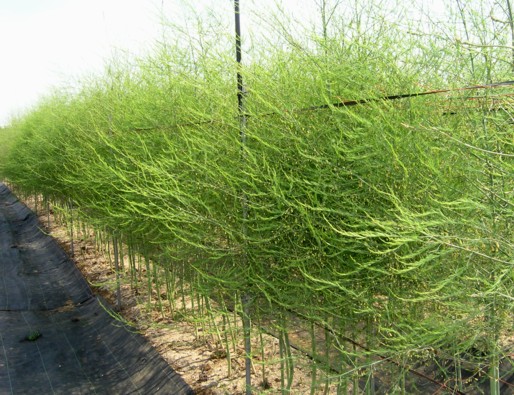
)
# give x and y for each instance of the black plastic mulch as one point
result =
(55, 336)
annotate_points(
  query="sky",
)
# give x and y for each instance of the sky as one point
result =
(47, 43)
(51, 43)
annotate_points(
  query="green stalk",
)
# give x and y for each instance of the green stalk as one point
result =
(315, 357)
(289, 361)
(328, 348)
(245, 314)
(458, 372)
(265, 383)
(47, 213)
(227, 342)
(170, 287)
(148, 281)
(70, 228)
(117, 271)
(281, 347)
(156, 281)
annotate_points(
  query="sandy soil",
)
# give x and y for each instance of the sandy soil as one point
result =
(188, 343)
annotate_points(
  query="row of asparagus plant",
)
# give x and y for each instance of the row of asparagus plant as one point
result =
(387, 223)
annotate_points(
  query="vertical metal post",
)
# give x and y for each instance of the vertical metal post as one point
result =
(246, 297)
(240, 86)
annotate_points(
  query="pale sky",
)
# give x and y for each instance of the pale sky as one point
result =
(45, 43)
(49, 43)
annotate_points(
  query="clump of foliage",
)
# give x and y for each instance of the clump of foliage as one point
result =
(388, 222)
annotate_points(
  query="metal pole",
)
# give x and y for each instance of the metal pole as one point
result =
(246, 297)
(240, 88)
